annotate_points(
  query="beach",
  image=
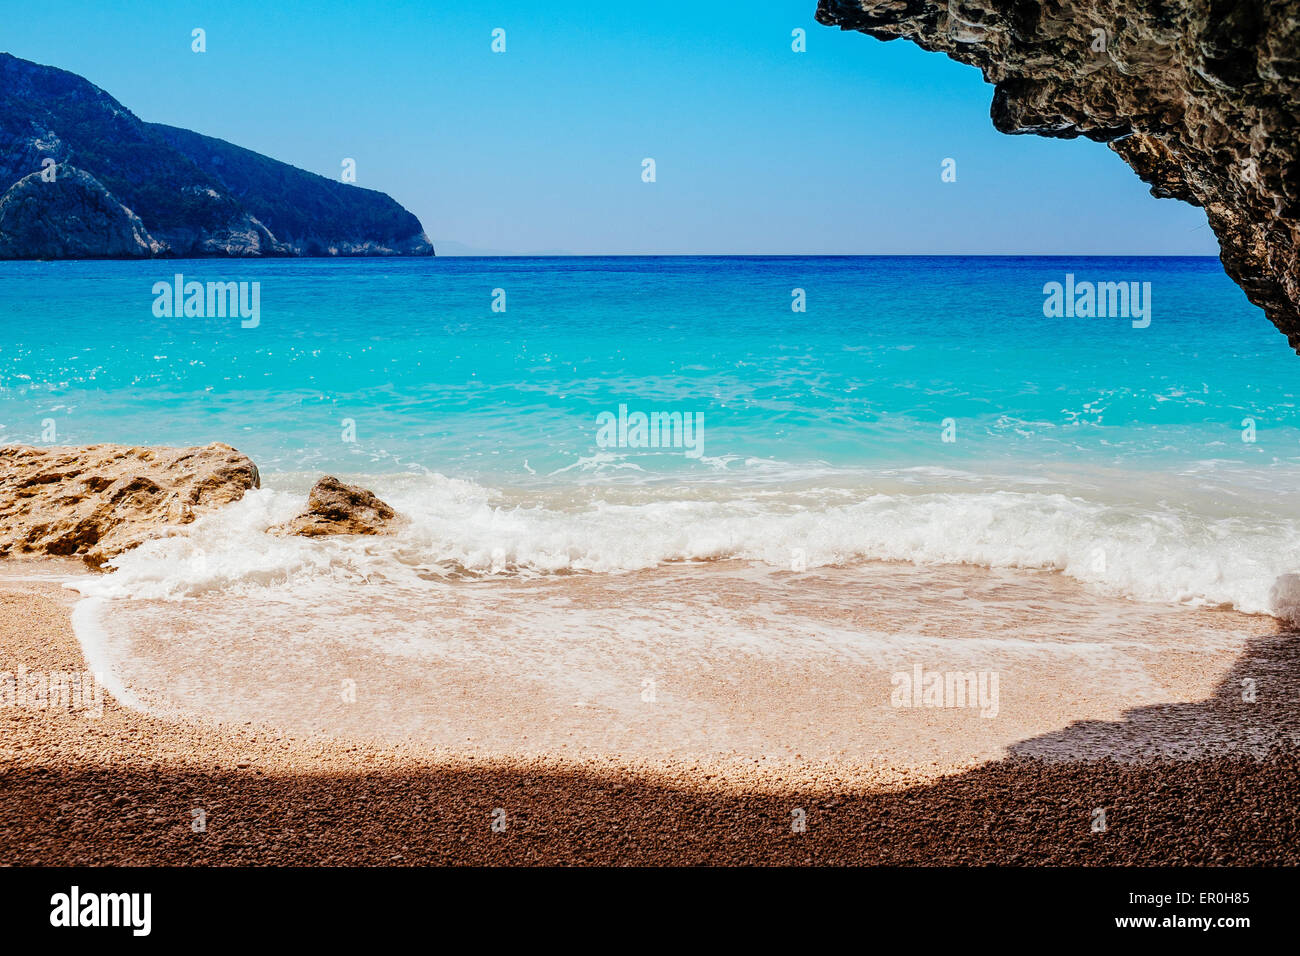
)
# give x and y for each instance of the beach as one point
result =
(584, 438)
(130, 788)
(910, 590)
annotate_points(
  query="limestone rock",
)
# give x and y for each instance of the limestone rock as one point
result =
(97, 501)
(336, 508)
(71, 217)
(1200, 97)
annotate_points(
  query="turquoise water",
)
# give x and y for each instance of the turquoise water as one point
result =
(413, 354)
(920, 409)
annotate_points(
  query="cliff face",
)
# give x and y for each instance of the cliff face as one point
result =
(1200, 97)
(125, 188)
(72, 217)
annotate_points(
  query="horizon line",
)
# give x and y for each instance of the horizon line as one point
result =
(796, 255)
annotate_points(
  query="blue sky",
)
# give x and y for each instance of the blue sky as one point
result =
(758, 149)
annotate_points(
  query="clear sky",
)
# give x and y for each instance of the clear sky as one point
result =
(758, 149)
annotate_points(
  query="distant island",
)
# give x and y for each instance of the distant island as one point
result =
(82, 177)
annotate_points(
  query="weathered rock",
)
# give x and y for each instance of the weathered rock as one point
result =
(336, 508)
(97, 501)
(1200, 97)
(71, 216)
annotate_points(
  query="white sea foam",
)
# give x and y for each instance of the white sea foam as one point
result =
(1150, 549)
(1284, 598)
(86, 623)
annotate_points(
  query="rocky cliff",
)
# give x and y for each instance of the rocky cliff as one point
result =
(117, 187)
(72, 216)
(1200, 97)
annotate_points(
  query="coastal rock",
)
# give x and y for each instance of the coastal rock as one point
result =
(1200, 97)
(186, 195)
(336, 508)
(71, 216)
(97, 501)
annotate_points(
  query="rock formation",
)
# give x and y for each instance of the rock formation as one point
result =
(1200, 97)
(72, 217)
(119, 187)
(97, 501)
(336, 508)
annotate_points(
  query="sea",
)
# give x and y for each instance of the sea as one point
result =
(613, 468)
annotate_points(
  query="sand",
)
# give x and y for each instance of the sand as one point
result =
(128, 788)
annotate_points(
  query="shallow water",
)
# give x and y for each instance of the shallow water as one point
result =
(433, 379)
(712, 660)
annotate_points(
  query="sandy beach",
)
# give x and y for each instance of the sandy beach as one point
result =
(128, 788)
(609, 436)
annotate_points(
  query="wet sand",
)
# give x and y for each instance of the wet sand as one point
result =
(127, 787)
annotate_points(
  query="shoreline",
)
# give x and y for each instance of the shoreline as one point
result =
(123, 789)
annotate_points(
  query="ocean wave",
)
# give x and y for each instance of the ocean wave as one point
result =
(1150, 550)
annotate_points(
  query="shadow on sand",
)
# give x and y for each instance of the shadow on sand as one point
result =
(1211, 782)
